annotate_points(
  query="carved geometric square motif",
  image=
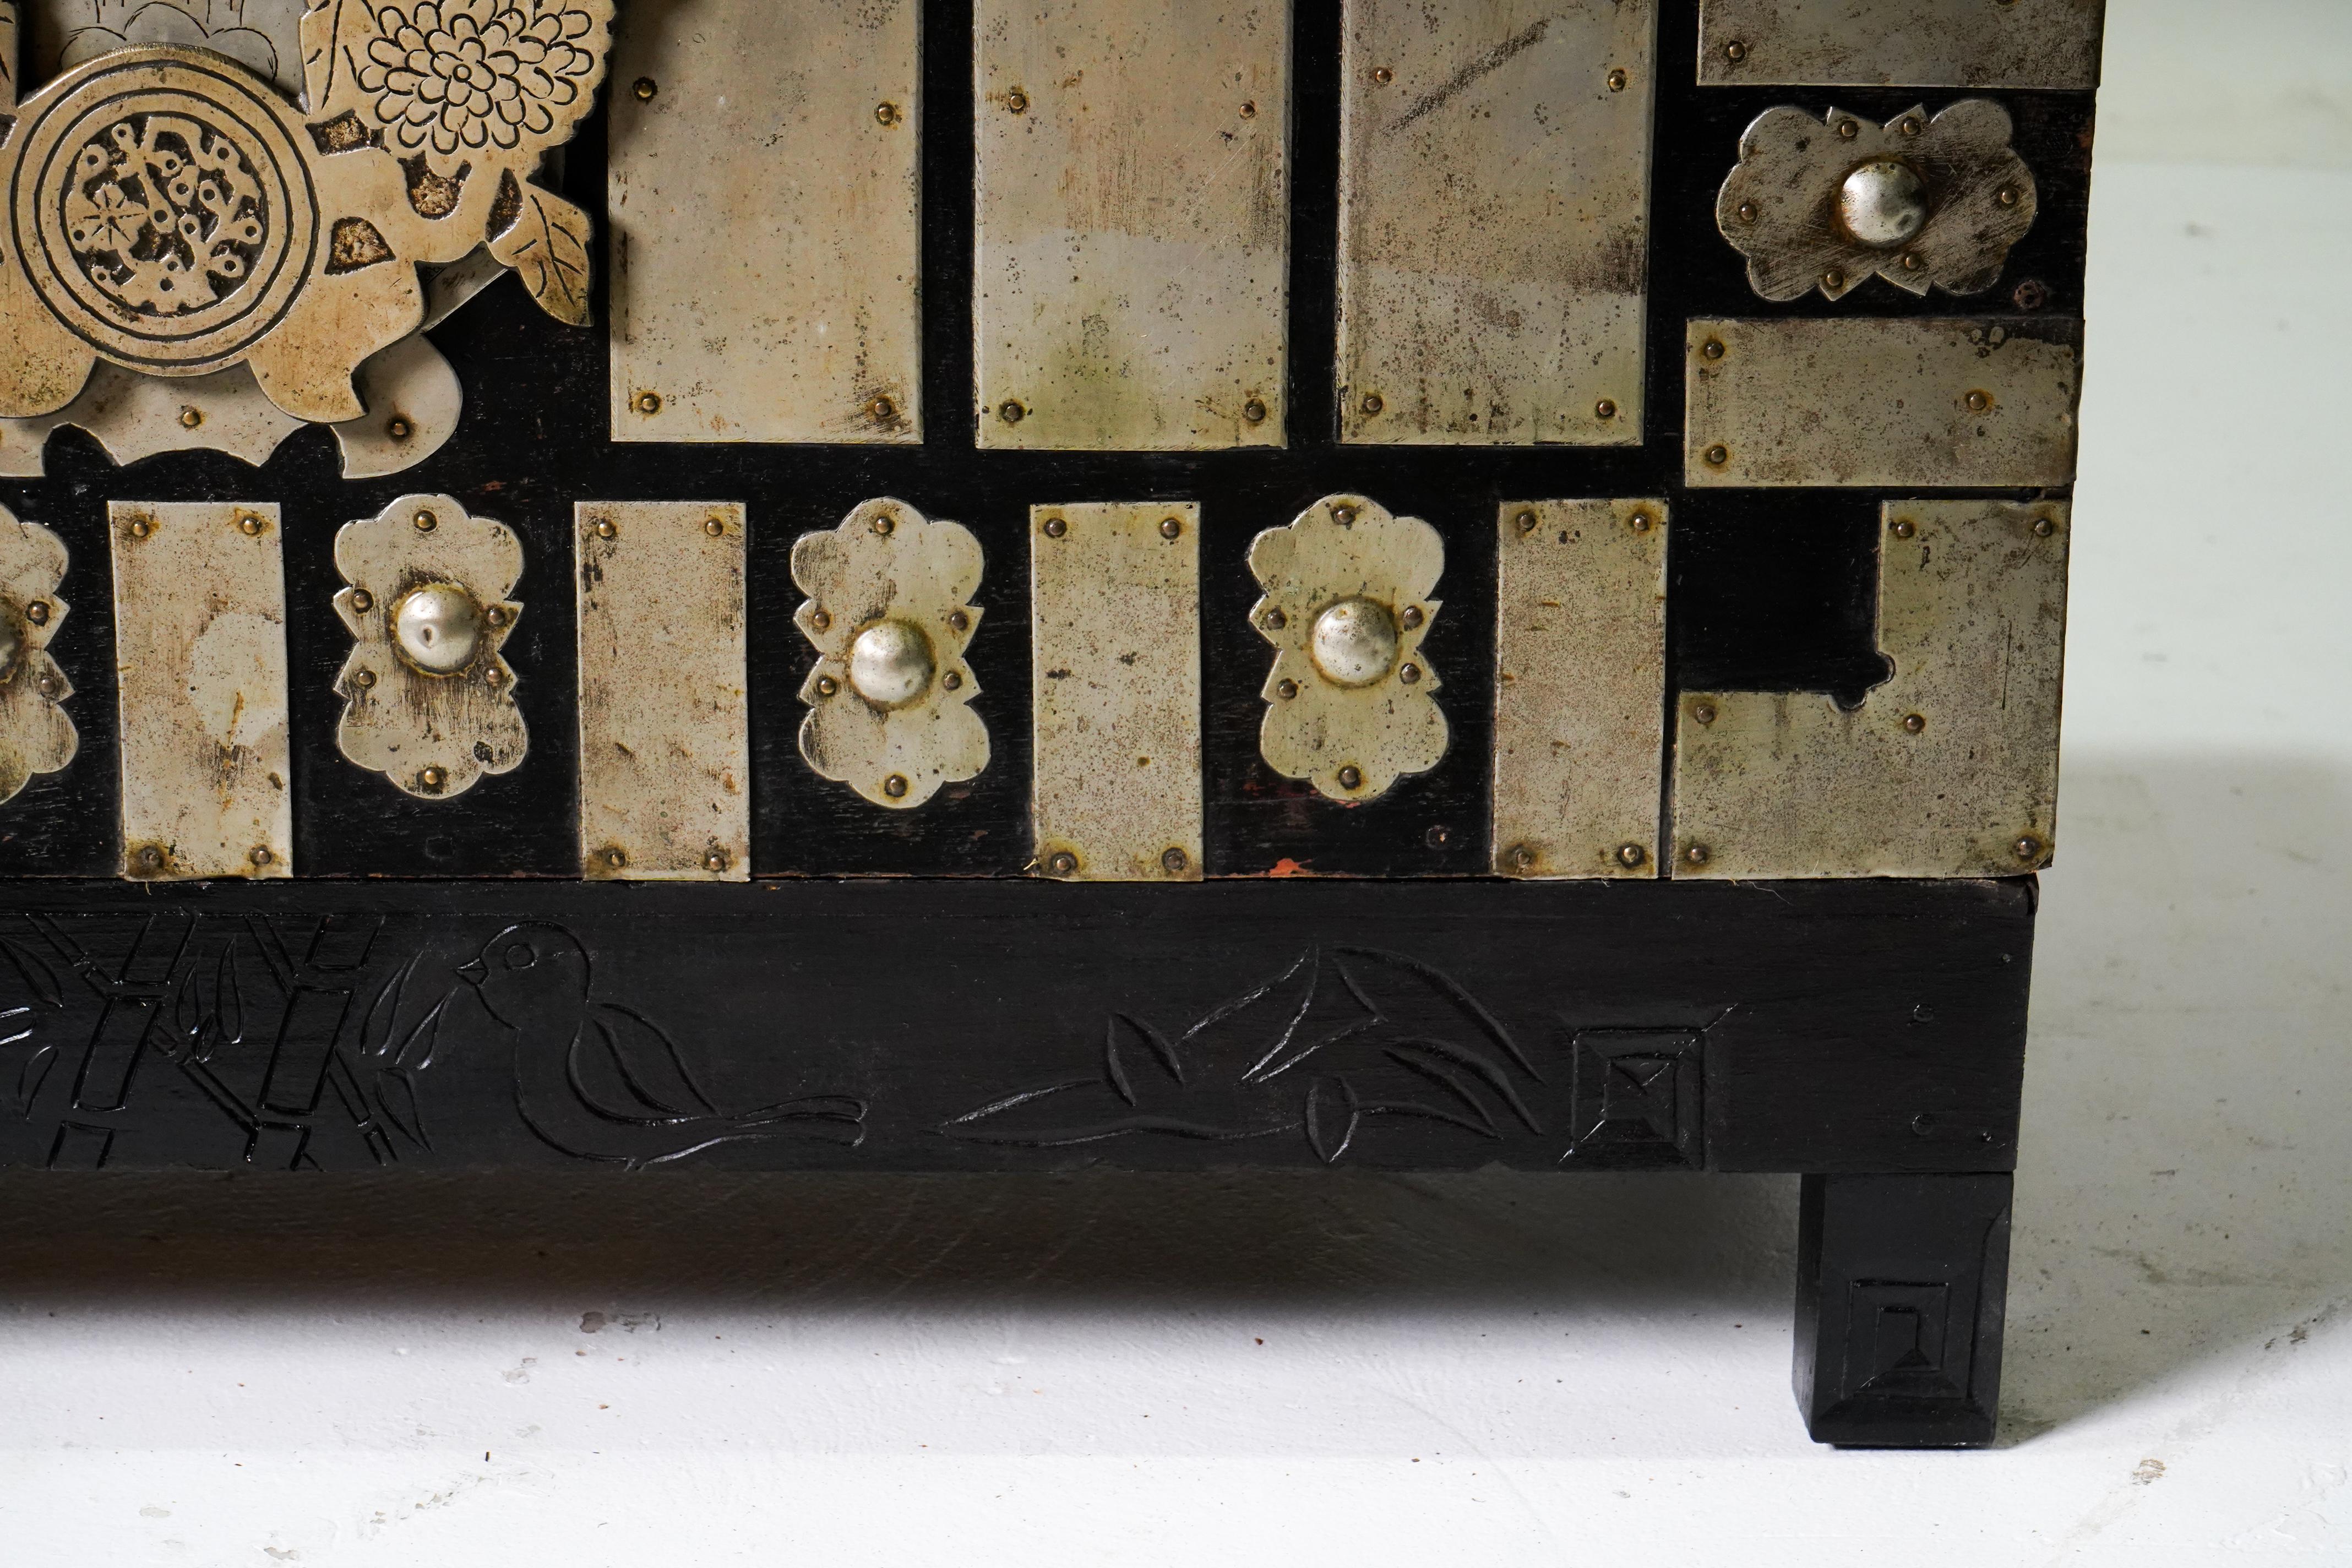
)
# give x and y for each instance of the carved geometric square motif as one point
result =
(1638, 1093)
(1897, 1342)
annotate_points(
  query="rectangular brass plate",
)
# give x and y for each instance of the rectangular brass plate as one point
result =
(200, 644)
(665, 730)
(1580, 687)
(764, 204)
(1946, 404)
(1133, 223)
(1910, 43)
(1115, 611)
(1493, 220)
(1972, 615)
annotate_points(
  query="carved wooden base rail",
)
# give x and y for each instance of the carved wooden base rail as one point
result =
(1868, 1034)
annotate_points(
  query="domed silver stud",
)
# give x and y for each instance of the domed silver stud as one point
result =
(437, 627)
(890, 664)
(1354, 643)
(1884, 203)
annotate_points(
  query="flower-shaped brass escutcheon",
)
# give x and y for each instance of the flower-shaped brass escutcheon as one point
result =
(428, 697)
(1922, 202)
(36, 735)
(1351, 699)
(889, 614)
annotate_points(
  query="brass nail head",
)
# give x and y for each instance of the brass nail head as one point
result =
(1409, 674)
(1696, 855)
(1371, 405)
(1062, 863)
(2006, 196)
(645, 89)
(894, 786)
(1285, 689)
(1273, 620)
(1382, 75)
(362, 601)
(1171, 527)
(2044, 528)
(1833, 279)
(1734, 51)
(886, 114)
(1173, 861)
(249, 523)
(2027, 848)
(715, 861)
(1604, 409)
(1979, 401)
(604, 528)
(191, 416)
(819, 618)
(1351, 778)
(649, 403)
(425, 521)
(1249, 111)
(1631, 855)
(1747, 212)
(1253, 411)
(1617, 80)
(1011, 411)
(1017, 101)
(38, 612)
(432, 778)
(1056, 527)
(1849, 129)
(713, 526)
(1915, 722)
(399, 429)
(951, 681)
(260, 855)
(1704, 713)
(959, 621)
(886, 524)
(1522, 856)
(1717, 455)
(881, 410)
(1711, 349)
(1411, 618)
(1903, 527)
(363, 678)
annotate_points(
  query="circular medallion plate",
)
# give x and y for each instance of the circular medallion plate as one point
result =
(163, 211)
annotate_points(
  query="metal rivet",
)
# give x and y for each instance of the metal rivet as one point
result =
(1696, 855)
(431, 778)
(649, 403)
(1711, 349)
(1173, 861)
(615, 859)
(1062, 863)
(1382, 75)
(715, 861)
(141, 528)
(249, 524)
(1011, 411)
(826, 686)
(1249, 111)
(1371, 403)
(2030, 295)
(2044, 528)
(1979, 401)
(713, 526)
(1717, 455)
(1617, 80)
(645, 89)
(38, 612)
(1915, 722)
(1526, 522)
(1412, 617)
(1169, 528)
(2006, 196)
(1639, 523)
(1409, 674)
(881, 410)
(494, 676)
(1903, 527)
(820, 619)
(46, 686)
(260, 855)
(1273, 620)
(191, 416)
(886, 114)
(951, 681)
(1017, 101)
(885, 523)
(151, 858)
(495, 615)
(1351, 778)
(1437, 836)
(1911, 262)
(2027, 849)
(1522, 856)
(1345, 516)
(1833, 279)
(1849, 129)
(362, 601)
(959, 621)
(1604, 409)
(1056, 527)
(1911, 125)
(603, 529)
(363, 678)
(894, 785)
(425, 521)
(1747, 212)
(399, 429)
(1734, 51)
(1253, 411)
(1704, 713)
(1631, 855)
(1285, 689)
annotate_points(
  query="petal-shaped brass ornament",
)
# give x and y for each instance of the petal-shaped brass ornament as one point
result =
(36, 735)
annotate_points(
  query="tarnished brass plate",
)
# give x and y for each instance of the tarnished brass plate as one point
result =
(1133, 223)
(1948, 403)
(35, 735)
(1493, 220)
(1115, 613)
(200, 644)
(763, 194)
(664, 729)
(1913, 43)
(1580, 687)
(1948, 769)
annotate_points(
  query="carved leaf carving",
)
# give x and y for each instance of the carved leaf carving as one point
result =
(547, 245)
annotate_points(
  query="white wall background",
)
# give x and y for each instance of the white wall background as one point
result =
(1345, 1368)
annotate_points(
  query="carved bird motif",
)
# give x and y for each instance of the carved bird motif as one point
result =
(600, 1081)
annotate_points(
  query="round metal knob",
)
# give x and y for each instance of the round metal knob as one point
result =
(437, 628)
(890, 664)
(1883, 202)
(1354, 642)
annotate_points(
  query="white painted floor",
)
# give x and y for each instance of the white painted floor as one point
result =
(1345, 1368)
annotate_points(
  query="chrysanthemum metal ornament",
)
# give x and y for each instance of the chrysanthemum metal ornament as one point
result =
(889, 612)
(1920, 201)
(1350, 701)
(175, 216)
